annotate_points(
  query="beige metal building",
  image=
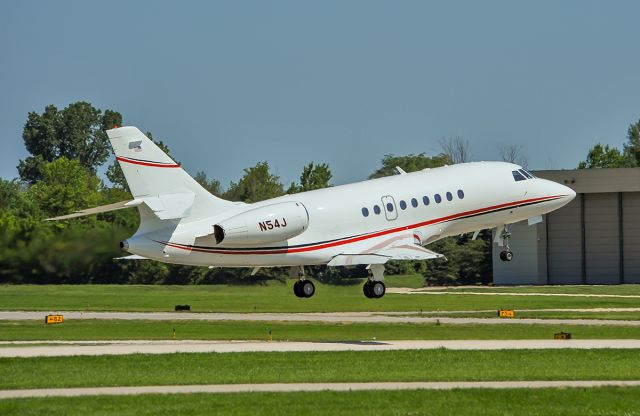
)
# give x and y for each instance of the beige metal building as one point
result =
(595, 239)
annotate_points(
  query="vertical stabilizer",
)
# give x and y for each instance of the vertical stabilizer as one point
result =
(153, 177)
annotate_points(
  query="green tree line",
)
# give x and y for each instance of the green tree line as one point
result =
(68, 146)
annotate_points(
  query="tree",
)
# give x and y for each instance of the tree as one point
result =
(76, 132)
(632, 148)
(513, 153)
(257, 184)
(600, 156)
(409, 163)
(313, 177)
(66, 186)
(213, 185)
(457, 148)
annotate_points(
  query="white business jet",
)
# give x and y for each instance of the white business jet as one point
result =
(368, 222)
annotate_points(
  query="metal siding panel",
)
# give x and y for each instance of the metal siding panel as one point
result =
(523, 269)
(602, 243)
(565, 253)
(631, 225)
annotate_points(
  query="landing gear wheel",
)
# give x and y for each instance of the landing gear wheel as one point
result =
(506, 255)
(297, 289)
(366, 289)
(307, 288)
(374, 289)
(378, 289)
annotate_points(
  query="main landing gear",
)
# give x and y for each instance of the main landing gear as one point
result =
(505, 234)
(374, 287)
(302, 288)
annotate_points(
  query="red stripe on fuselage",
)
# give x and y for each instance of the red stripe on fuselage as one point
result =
(350, 240)
(145, 163)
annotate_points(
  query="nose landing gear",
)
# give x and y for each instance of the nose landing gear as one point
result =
(504, 235)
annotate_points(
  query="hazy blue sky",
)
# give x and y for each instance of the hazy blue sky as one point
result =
(228, 84)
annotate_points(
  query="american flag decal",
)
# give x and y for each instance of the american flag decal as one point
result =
(136, 146)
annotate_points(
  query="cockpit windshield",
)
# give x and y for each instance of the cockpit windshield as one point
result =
(517, 176)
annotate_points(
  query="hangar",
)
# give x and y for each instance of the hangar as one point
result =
(595, 239)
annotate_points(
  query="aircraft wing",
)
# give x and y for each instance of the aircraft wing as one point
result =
(408, 251)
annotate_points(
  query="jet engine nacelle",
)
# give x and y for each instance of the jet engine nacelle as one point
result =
(266, 224)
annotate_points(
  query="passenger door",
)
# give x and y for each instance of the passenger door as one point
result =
(389, 206)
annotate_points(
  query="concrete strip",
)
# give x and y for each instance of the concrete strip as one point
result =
(311, 387)
(421, 291)
(365, 317)
(170, 347)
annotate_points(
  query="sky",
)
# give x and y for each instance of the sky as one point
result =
(228, 84)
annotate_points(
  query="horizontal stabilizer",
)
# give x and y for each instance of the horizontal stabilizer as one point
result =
(91, 211)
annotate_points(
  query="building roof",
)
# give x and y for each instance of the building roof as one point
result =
(596, 179)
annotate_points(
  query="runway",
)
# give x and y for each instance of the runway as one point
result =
(311, 387)
(12, 349)
(364, 317)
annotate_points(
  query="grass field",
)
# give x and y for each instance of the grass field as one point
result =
(277, 297)
(298, 367)
(629, 289)
(293, 331)
(542, 402)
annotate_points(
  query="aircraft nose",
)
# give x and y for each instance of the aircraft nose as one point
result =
(569, 193)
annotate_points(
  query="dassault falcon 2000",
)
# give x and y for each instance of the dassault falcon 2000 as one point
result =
(366, 223)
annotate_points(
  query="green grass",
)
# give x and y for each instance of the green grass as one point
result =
(307, 367)
(629, 289)
(274, 297)
(539, 402)
(294, 331)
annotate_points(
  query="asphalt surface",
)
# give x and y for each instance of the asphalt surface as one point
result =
(311, 387)
(29, 349)
(368, 317)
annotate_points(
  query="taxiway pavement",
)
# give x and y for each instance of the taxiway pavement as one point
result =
(366, 317)
(310, 387)
(75, 348)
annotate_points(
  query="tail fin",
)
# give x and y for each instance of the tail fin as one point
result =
(150, 173)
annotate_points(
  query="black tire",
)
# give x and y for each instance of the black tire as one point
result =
(366, 289)
(307, 288)
(502, 256)
(296, 289)
(378, 289)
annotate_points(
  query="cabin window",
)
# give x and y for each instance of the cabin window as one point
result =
(365, 212)
(460, 194)
(438, 198)
(414, 202)
(517, 176)
(449, 196)
(403, 205)
(376, 209)
(425, 200)
(389, 207)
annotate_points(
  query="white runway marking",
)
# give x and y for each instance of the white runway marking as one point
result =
(365, 317)
(15, 349)
(311, 387)
(409, 291)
